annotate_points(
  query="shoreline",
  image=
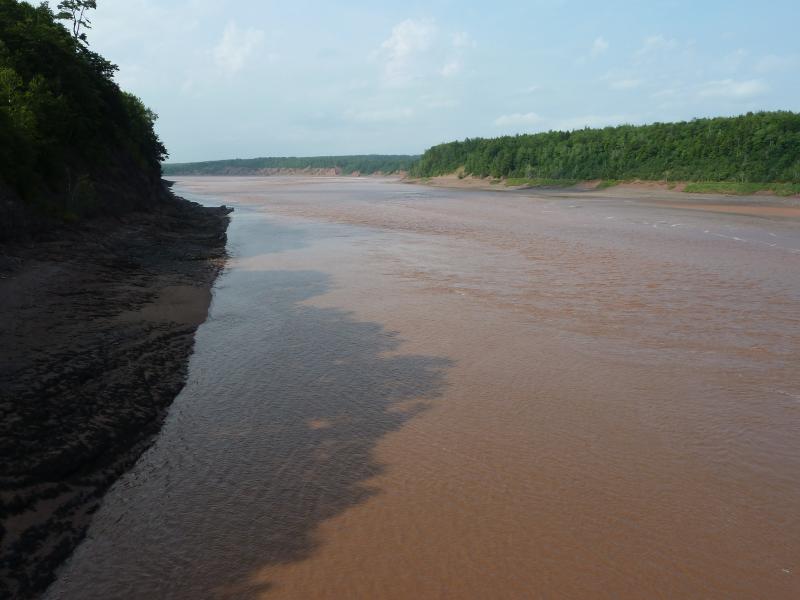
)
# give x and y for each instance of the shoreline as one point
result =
(651, 192)
(98, 324)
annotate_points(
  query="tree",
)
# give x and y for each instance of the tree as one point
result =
(75, 11)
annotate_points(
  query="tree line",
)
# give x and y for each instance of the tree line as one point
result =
(755, 147)
(69, 136)
(366, 164)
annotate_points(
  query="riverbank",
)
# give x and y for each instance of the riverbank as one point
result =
(97, 326)
(678, 195)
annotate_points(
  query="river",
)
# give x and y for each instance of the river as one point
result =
(411, 392)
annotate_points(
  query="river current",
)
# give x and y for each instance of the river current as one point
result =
(410, 392)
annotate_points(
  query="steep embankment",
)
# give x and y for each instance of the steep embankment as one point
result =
(752, 151)
(73, 145)
(104, 277)
(367, 164)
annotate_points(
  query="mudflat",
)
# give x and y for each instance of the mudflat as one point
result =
(412, 392)
(97, 323)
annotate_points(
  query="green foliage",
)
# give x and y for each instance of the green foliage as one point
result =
(607, 183)
(742, 189)
(762, 146)
(62, 116)
(75, 11)
(366, 164)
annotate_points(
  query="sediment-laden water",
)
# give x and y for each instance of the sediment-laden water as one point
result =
(407, 392)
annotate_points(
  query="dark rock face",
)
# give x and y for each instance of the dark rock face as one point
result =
(97, 323)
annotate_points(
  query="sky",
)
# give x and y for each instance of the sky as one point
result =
(263, 78)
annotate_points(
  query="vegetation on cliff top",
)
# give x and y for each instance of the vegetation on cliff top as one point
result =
(72, 142)
(365, 164)
(756, 147)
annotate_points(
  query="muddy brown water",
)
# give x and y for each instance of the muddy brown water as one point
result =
(406, 392)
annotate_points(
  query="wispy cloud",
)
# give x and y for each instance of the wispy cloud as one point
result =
(408, 39)
(451, 68)
(236, 47)
(462, 39)
(460, 42)
(656, 43)
(730, 88)
(415, 47)
(733, 61)
(599, 46)
(773, 62)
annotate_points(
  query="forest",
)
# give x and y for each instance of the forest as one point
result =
(756, 147)
(72, 143)
(365, 164)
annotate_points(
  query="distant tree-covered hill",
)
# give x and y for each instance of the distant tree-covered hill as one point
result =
(366, 164)
(72, 143)
(756, 147)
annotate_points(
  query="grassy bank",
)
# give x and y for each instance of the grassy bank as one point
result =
(708, 187)
(712, 187)
(539, 182)
(742, 189)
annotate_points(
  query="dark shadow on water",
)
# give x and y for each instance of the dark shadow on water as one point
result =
(332, 391)
(325, 393)
(274, 433)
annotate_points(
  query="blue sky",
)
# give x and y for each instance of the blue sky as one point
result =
(260, 78)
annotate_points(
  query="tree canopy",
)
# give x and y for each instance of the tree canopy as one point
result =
(75, 11)
(756, 147)
(365, 164)
(66, 127)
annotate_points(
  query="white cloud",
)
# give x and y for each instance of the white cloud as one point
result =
(656, 43)
(518, 119)
(451, 68)
(414, 48)
(236, 47)
(454, 65)
(599, 47)
(730, 88)
(407, 40)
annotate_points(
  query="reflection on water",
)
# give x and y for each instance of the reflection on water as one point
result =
(273, 433)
